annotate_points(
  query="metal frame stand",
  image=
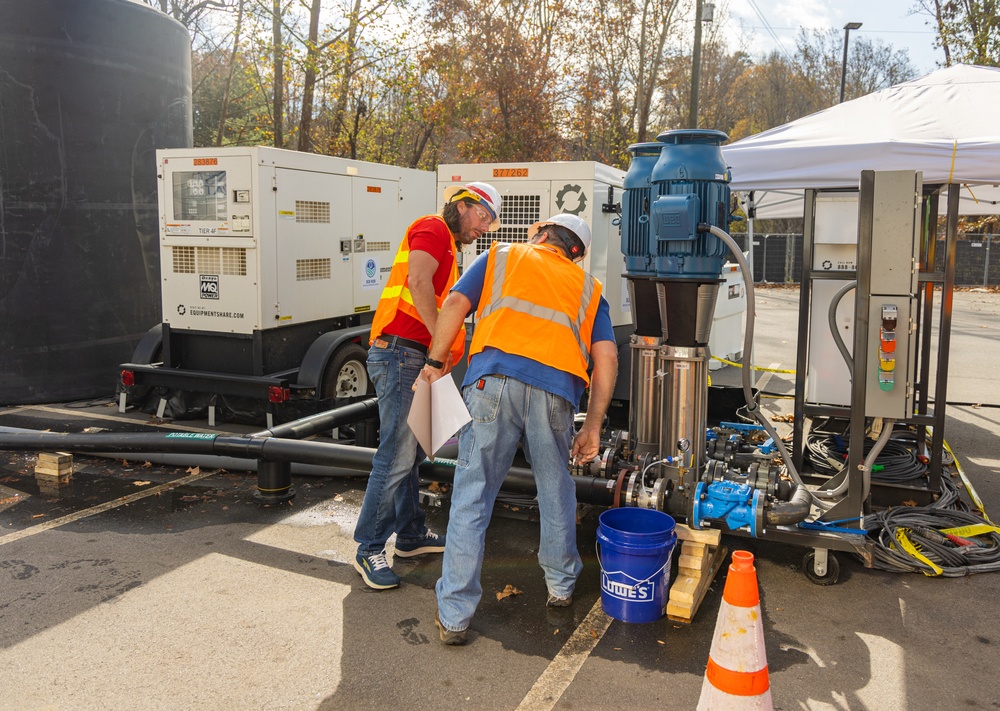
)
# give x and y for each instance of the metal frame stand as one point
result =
(927, 415)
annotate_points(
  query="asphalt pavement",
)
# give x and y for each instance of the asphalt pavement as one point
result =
(145, 586)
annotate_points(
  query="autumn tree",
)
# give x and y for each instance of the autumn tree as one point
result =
(501, 60)
(968, 31)
(623, 52)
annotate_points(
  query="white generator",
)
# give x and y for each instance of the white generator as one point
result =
(536, 191)
(272, 263)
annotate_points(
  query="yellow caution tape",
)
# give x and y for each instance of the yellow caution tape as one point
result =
(908, 546)
(977, 529)
(965, 480)
(756, 367)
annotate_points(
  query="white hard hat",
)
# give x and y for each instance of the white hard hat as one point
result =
(483, 193)
(578, 226)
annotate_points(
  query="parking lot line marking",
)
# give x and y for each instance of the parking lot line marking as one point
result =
(766, 377)
(100, 508)
(116, 418)
(561, 671)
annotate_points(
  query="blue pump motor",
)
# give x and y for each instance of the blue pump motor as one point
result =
(689, 185)
(636, 203)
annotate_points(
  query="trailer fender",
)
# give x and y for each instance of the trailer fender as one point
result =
(150, 347)
(322, 349)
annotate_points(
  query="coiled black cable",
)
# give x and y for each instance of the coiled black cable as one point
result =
(922, 526)
(898, 459)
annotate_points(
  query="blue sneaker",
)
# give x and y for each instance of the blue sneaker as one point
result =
(430, 543)
(376, 571)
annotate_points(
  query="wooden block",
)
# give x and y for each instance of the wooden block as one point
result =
(53, 478)
(686, 533)
(53, 471)
(684, 589)
(695, 548)
(684, 607)
(693, 565)
(55, 459)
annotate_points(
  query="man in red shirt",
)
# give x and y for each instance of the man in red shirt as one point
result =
(424, 270)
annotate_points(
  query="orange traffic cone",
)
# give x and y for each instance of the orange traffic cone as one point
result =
(736, 678)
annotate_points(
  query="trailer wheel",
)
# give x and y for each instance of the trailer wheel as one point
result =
(346, 375)
(832, 569)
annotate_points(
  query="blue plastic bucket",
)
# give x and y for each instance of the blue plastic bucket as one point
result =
(634, 550)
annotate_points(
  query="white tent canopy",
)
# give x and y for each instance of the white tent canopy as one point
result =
(945, 124)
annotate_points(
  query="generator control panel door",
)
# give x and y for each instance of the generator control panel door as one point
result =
(313, 216)
(206, 196)
(375, 239)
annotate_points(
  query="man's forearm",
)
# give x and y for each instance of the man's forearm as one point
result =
(449, 322)
(602, 382)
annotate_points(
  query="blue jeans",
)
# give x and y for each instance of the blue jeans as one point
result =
(503, 412)
(391, 502)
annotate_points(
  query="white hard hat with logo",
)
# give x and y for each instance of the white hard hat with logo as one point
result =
(577, 225)
(483, 193)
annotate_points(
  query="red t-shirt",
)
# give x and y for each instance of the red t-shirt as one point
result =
(428, 234)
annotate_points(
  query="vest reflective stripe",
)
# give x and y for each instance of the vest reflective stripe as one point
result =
(396, 297)
(509, 319)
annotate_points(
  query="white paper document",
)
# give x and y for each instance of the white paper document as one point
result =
(437, 413)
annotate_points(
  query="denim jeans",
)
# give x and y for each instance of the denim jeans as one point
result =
(503, 412)
(391, 502)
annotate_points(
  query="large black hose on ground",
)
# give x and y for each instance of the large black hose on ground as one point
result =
(256, 448)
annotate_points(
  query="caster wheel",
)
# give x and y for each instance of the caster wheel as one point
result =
(832, 569)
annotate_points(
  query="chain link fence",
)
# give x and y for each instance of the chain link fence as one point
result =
(777, 258)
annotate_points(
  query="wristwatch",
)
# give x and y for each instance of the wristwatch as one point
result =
(436, 364)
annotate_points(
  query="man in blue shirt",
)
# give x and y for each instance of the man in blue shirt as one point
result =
(541, 321)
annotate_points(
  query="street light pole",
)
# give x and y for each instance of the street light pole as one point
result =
(695, 68)
(843, 68)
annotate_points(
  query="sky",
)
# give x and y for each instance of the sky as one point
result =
(891, 21)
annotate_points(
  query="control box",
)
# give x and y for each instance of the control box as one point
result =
(895, 230)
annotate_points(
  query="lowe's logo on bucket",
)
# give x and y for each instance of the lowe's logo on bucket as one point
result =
(639, 592)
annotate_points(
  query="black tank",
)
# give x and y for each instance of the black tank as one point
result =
(89, 89)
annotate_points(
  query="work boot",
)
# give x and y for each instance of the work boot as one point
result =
(556, 601)
(447, 636)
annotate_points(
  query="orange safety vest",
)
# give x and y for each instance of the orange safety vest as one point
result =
(537, 304)
(396, 296)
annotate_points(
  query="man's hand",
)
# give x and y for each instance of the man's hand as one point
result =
(430, 374)
(586, 444)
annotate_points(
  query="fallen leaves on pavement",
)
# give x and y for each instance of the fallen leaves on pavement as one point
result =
(508, 591)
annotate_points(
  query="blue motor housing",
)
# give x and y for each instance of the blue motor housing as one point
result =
(689, 186)
(635, 208)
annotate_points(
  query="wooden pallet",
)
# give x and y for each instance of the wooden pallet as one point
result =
(700, 559)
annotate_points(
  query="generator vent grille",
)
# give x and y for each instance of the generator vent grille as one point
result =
(312, 269)
(231, 261)
(517, 214)
(234, 261)
(209, 260)
(311, 211)
(378, 246)
(183, 260)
